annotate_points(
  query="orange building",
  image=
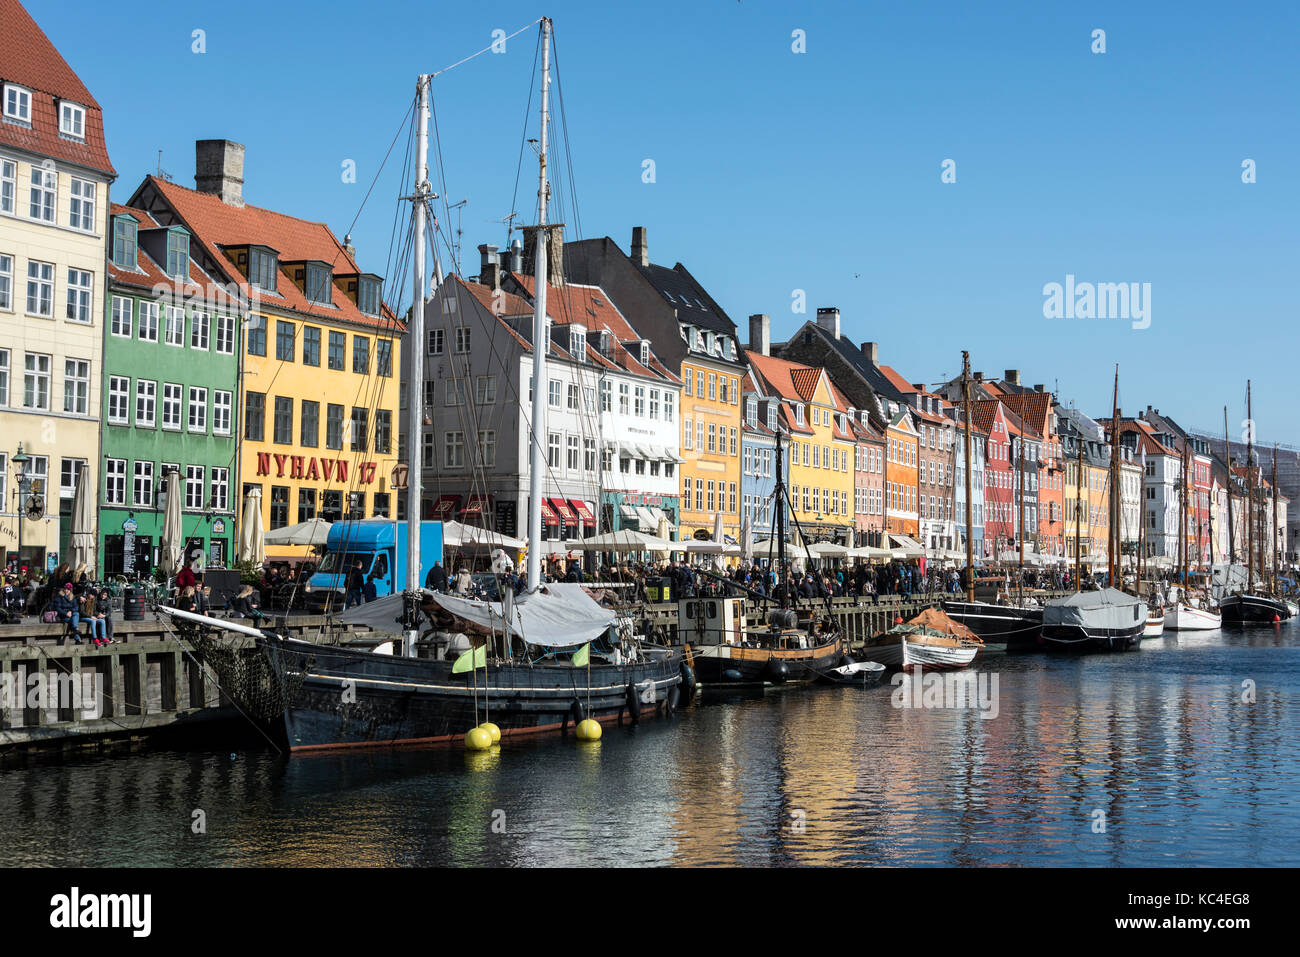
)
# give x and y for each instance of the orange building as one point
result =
(902, 452)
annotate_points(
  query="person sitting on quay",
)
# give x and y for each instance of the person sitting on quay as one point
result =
(104, 608)
(93, 613)
(244, 605)
(66, 611)
(185, 578)
(185, 601)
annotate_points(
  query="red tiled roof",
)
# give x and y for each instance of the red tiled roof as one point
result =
(789, 380)
(216, 224)
(984, 413)
(896, 380)
(149, 275)
(1034, 407)
(29, 59)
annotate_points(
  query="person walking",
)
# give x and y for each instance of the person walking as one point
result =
(355, 585)
(436, 580)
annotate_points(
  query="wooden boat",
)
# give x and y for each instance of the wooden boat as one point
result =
(1183, 616)
(861, 674)
(725, 651)
(1155, 626)
(1012, 627)
(931, 640)
(1252, 609)
(1093, 621)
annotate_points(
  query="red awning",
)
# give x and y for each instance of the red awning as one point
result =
(476, 505)
(445, 505)
(562, 509)
(584, 513)
(548, 514)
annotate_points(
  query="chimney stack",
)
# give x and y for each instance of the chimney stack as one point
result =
(1039, 387)
(979, 376)
(828, 317)
(555, 247)
(516, 256)
(219, 170)
(760, 334)
(640, 249)
(489, 267)
(1013, 376)
(872, 351)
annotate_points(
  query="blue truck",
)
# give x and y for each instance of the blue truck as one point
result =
(380, 545)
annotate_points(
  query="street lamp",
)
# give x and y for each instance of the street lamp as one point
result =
(21, 461)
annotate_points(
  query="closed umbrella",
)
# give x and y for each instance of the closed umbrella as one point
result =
(747, 541)
(82, 541)
(717, 528)
(173, 542)
(252, 544)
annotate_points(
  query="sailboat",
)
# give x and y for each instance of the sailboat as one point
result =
(786, 649)
(1186, 613)
(1251, 606)
(1009, 627)
(1108, 619)
(521, 668)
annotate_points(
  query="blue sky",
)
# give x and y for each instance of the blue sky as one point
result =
(820, 171)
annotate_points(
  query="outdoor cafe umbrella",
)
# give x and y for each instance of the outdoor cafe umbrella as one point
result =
(747, 541)
(252, 541)
(82, 542)
(313, 532)
(173, 536)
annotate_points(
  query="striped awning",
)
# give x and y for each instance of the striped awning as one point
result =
(563, 510)
(582, 511)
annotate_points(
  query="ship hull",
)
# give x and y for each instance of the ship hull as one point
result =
(1252, 610)
(1013, 628)
(1186, 618)
(735, 665)
(351, 698)
(1077, 639)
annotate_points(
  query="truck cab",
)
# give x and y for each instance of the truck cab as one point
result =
(379, 544)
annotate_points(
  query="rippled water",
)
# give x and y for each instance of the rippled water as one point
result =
(1161, 742)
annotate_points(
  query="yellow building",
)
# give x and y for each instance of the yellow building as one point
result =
(710, 448)
(318, 390)
(54, 179)
(819, 456)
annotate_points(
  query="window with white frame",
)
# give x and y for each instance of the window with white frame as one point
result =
(72, 120)
(81, 205)
(36, 381)
(8, 185)
(194, 500)
(225, 335)
(146, 401)
(199, 323)
(572, 460)
(4, 381)
(142, 485)
(462, 339)
(44, 194)
(487, 447)
(198, 409)
(69, 474)
(175, 331)
(18, 103)
(453, 450)
(435, 338)
(115, 481)
(40, 289)
(171, 408)
(120, 323)
(221, 412)
(220, 489)
(6, 281)
(148, 322)
(119, 395)
(80, 295)
(76, 386)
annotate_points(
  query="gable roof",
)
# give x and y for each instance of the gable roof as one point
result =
(149, 275)
(1035, 408)
(216, 225)
(692, 301)
(29, 59)
(792, 381)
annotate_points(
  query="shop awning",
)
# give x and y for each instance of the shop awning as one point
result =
(629, 513)
(548, 514)
(476, 505)
(563, 511)
(445, 506)
(648, 523)
(583, 512)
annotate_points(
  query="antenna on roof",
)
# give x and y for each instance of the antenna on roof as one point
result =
(510, 226)
(162, 173)
(459, 232)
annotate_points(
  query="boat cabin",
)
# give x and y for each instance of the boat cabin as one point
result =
(711, 621)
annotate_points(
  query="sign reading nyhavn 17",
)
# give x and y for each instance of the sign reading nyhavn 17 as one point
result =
(312, 469)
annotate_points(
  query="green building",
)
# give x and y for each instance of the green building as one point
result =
(171, 372)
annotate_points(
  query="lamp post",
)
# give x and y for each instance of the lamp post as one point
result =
(21, 461)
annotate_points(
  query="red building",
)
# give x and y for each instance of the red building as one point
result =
(999, 477)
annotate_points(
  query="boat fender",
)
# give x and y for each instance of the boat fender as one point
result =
(688, 681)
(632, 703)
(731, 674)
(576, 712)
(777, 671)
(670, 701)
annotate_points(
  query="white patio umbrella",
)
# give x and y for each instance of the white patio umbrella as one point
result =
(252, 540)
(313, 532)
(460, 535)
(82, 542)
(747, 541)
(624, 540)
(717, 529)
(173, 540)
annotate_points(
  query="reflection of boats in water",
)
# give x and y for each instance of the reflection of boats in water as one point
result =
(930, 640)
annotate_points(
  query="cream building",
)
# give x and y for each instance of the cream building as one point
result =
(54, 180)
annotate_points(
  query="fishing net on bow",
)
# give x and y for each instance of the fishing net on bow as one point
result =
(253, 674)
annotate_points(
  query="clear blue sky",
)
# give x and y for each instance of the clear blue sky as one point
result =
(819, 171)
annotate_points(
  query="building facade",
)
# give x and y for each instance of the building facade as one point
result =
(54, 180)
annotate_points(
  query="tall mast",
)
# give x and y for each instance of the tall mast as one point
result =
(1250, 496)
(1078, 510)
(1227, 458)
(415, 379)
(1272, 538)
(780, 521)
(541, 338)
(1182, 520)
(1021, 584)
(1112, 525)
(970, 506)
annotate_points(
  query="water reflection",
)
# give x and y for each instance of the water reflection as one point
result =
(1186, 748)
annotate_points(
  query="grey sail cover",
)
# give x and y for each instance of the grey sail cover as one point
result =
(560, 615)
(1109, 609)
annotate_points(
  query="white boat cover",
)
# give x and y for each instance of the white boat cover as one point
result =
(560, 615)
(1109, 609)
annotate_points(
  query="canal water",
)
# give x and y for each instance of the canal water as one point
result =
(1185, 753)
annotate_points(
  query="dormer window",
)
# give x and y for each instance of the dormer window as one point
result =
(124, 242)
(262, 267)
(578, 343)
(319, 283)
(771, 416)
(645, 353)
(751, 411)
(368, 295)
(72, 120)
(708, 342)
(798, 414)
(18, 103)
(727, 348)
(178, 252)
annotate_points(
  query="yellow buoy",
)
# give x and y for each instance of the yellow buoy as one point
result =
(588, 730)
(478, 740)
(491, 729)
